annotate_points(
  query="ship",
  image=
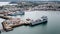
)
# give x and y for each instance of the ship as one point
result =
(39, 21)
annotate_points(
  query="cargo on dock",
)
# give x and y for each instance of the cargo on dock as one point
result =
(8, 25)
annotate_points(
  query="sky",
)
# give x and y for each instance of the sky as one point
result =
(26, 0)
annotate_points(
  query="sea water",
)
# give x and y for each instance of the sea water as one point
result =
(51, 27)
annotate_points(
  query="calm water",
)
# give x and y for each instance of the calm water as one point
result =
(52, 27)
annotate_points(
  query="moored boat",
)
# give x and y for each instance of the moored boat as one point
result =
(17, 13)
(39, 21)
(20, 12)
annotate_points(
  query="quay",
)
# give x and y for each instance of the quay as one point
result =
(9, 24)
(5, 17)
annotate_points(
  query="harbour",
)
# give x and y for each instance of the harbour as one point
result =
(46, 28)
(30, 17)
(10, 23)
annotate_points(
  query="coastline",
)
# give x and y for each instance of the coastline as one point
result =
(4, 3)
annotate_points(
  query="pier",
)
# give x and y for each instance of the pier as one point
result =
(11, 23)
(5, 17)
(8, 25)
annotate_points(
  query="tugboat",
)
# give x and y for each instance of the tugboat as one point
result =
(39, 21)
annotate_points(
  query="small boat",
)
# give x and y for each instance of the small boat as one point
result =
(39, 21)
(12, 14)
(19, 12)
(28, 19)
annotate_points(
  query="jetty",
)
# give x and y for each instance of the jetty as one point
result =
(11, 23)
(5, 17)
(8, 25)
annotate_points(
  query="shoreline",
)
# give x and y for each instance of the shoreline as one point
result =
(4, 3)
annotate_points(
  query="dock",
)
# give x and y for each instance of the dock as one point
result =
(5, 17)
(8, 25)
(11, 23)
